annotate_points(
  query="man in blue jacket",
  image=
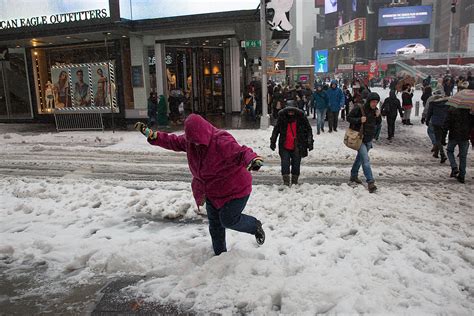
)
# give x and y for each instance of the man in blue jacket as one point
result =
(321, 105)
(336, 103)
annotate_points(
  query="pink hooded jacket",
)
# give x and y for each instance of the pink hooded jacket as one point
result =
(217, 162)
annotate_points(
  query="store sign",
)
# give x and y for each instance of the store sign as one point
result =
(54, 19)
(321, 61)
(330, 6)
(18, 14)
(414, 15)
(351, 32)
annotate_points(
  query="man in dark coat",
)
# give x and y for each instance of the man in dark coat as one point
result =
(152, 109)
(390, 108)
(437, 113)
(367, 116)
(460, 125)
(295, 140)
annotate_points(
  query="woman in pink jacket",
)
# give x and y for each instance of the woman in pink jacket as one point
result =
(221, 175)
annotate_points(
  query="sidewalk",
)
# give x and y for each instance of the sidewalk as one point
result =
(227, 121)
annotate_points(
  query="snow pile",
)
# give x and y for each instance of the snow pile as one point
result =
(328, 249)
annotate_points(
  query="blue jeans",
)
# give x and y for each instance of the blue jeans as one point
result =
(321, 115)
(463, 149)
(229, 216)
(431, 134)
(362, 158)
(251, 110)
(290, 158)
(378, 129)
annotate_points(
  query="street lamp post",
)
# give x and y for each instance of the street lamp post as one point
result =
(265, 118)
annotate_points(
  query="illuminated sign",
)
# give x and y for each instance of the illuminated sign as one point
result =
(415, 15)
(351, 32)
(321, 61)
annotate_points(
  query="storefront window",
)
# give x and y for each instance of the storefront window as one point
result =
(74, 77)
(14, 88)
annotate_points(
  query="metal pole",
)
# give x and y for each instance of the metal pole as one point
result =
(450, 35)
(265, 118)
(109, 83)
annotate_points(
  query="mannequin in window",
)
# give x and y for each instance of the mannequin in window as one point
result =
(49, 95)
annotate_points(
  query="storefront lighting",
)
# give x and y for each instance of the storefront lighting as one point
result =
(223, 42)
(108, 33)
(17, 46)
(124, 36)
(36, 53)
(220, 44)
(203, 44)
(85, 40)
(207, 41)
(68, 37)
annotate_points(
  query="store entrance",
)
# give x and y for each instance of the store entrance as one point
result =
(197, 74)
(14, 88)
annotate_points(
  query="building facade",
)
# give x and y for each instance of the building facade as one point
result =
(111, 56)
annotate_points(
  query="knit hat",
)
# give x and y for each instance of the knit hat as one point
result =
(373, 96)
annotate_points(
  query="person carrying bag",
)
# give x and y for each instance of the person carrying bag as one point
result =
(363, 121)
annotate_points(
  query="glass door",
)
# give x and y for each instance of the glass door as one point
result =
(15, 99)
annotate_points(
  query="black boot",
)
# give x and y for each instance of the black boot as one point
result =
(372, 187)
(460, 179)
(409, 122)
(294, 179)
(259, 233)
(355, 180)
(286, 179)
(454, 173)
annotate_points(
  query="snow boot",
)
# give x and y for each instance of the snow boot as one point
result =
(286, 179)
(355, 180)
(460, 179)
(434, 148)
(294, 179)
(443, 159)
(454, 173)
(259, 233)
(372, 188)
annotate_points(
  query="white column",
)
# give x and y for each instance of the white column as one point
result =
(160, 69)
(139, 57)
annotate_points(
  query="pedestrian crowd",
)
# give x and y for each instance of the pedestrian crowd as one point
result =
(221, 168)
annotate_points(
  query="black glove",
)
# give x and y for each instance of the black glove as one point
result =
(272, 146)
(423, 120)
(255, 164)
(427, 123)
(310, 146)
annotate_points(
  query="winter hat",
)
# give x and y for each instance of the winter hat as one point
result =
(373, 96)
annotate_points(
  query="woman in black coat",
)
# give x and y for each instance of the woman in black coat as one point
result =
(295, 140)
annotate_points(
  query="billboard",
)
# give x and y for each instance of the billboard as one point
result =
(351, 32)
(401, 16)
(388, 48)
(152, 9)
(321, 61)
(43, 12)
(330, 6)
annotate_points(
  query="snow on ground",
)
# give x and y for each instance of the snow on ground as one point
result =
(407, 249)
